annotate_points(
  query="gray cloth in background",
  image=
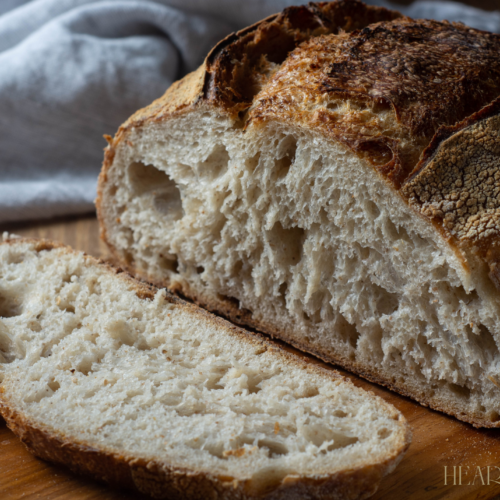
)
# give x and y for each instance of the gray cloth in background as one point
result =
(73, 70)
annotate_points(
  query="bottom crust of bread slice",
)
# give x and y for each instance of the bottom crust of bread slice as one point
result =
(126, 383)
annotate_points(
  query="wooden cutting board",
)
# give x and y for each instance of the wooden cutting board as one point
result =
(439, 441)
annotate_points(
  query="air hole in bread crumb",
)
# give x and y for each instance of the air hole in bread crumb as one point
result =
(168, 203)
(463, 295)
(403, 235)
(90, 393)
(251, 163)
(122, 332)
(267, 479)
(254, 196)
(387, 302)
(54, 385)
(275, 448)
(308, 392)
(371, 209)
(460, 391)
(14, 257)
(70, 308)
(132, 393)
(171, 399)
(38, 394)
(34, 326)
(339, 413)
(348, 332)
(143, 345)
(215, 449)
(493, 416)
(319, 435)
(85, 364)
(486, 342)
(147, 178)
(6, 346)
(215, 377)
(253, 383)
(238, 268)
(283, 164)
(84, 367)
(93, 286)
(47, 350)
(314, 317)
(364, 253)
(168, 263)
(10, 306)
(282, 293)
(384, 433)
(286, 243)
(340, 441)
(392, 231)
(338, 444)
(215, 165)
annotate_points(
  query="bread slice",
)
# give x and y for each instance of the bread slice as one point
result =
(343, 197)
(119, 380)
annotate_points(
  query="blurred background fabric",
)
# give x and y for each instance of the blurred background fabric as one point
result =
(73, 70)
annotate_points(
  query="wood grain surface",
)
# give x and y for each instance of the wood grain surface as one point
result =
(439, 441)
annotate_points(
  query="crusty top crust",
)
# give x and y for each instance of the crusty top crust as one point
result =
(430, 73)
(239, 66)
(457, 185)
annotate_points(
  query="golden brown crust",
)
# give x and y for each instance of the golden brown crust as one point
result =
(240, 65)
(163, 480)
(430, 73)
(456, 185)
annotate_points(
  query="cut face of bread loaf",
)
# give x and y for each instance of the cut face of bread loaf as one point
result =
(116, 379)
(349, 206)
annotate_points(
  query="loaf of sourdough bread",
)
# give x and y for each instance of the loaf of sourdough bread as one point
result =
(331, 176)
(118, 380)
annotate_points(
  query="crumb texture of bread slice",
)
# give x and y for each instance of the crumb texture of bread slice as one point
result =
(310, 216)
(119, 380)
